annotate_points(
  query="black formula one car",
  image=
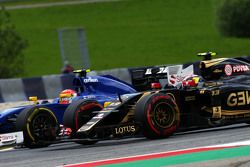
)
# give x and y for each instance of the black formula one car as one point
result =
(220, 95)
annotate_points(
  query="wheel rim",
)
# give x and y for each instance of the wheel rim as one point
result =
(43, 126)
(163, 115)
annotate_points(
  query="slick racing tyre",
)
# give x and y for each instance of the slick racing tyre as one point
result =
(39, 126)
(78, 113)
(158, 114)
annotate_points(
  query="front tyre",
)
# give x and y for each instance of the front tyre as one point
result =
(39, 126)
(79, 113)
(158, 114)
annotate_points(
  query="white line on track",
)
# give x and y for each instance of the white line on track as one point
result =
(227, 145)
(6, 149)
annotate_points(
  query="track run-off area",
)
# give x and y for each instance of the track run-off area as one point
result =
(209, 147)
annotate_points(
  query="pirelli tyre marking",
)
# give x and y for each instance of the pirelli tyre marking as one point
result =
(158, 114)
(30, 118)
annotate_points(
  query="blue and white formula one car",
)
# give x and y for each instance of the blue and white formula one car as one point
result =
(43, 117)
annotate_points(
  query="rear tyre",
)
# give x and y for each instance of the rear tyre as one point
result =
(39, 126)
(78, 113)
(158, 114)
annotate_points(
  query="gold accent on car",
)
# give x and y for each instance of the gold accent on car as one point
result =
(144, 94)
(189, 98)
(219, 113)
(216, 112)
(209, 63)
(125, 129)
(215, 92)
(217, 71)
(202, 91)
(238, 99)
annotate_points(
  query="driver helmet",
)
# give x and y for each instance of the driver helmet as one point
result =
(191, 81)
(66, 96)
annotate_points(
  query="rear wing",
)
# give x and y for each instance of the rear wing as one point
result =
(144, 76)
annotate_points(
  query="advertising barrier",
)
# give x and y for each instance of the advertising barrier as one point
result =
(49, 86)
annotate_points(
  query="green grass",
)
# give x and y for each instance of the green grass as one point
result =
(126, 33)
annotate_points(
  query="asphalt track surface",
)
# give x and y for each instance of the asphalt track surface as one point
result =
(68, 153)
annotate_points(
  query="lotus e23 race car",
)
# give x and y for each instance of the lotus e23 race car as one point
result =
(218, 95)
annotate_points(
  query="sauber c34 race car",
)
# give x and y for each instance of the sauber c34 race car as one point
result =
(47, 115)
(218, 96)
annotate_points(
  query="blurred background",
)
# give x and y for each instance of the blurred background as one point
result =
(45, 35)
